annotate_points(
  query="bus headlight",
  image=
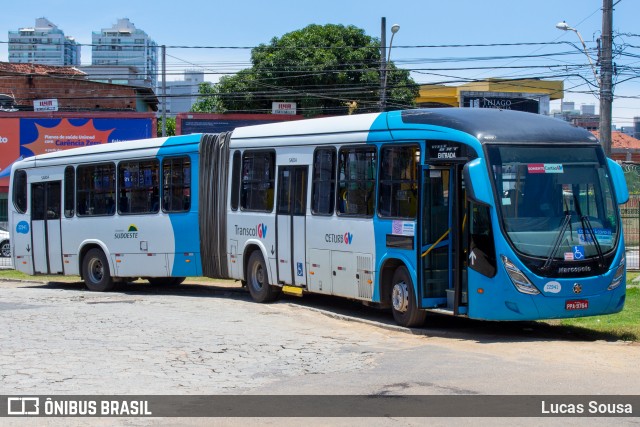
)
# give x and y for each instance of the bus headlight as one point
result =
(518, 278)
(617, 278)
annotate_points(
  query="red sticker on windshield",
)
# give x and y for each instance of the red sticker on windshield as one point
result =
(536, 168)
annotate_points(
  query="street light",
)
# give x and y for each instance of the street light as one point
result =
(565, 27)
(383, 92)
(604, 82)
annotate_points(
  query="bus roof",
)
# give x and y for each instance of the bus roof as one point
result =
(493, 125)
(488, 125)
(119, 147)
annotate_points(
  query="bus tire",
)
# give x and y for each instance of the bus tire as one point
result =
(403, 301)
(165, 281)
(258, 279)
(95, 271)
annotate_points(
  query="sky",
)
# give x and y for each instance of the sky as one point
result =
(516, 38)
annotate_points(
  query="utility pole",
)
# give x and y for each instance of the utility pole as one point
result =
(606, 75)
(164, 90)
(383, 62)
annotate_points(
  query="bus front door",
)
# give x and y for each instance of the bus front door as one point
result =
(441, 274)
(46, 238)
(291, 209)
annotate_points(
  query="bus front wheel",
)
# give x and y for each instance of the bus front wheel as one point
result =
(258, 279)
(95, 270)
(403, 302)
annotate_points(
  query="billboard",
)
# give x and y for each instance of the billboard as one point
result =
(187, 123)
(529, 105)
(28, 136)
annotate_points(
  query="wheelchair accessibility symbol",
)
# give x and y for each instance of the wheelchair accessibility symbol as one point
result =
(578, 252)
(299, 269)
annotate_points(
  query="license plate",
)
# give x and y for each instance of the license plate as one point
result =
(576, 304)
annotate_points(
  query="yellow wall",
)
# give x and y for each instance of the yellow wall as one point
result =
(450, 95)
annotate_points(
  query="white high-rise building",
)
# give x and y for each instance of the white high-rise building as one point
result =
(181, 94)
(125, 45)
(43, 44)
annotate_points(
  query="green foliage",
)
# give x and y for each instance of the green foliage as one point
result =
(170, 127)
(632, 176)
(207, 102)
(330, 69)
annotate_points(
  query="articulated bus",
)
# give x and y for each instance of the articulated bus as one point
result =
(487, 214)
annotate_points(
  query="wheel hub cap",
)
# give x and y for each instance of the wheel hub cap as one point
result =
(400, 297)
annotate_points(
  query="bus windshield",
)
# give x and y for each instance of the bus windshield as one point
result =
(555, 202)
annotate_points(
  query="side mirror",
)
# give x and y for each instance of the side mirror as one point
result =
(477, 182)
(619, 183)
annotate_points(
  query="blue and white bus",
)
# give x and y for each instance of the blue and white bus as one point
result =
(488, 214)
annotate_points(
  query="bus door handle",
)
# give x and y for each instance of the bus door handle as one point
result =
(334, 272)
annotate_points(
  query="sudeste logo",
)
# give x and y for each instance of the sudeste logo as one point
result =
(345, 238)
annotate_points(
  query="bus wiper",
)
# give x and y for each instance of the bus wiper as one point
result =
(585, 221)
(556, 243)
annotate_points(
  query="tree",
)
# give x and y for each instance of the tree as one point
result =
(330, 69)
(207, 101)
(170, 128)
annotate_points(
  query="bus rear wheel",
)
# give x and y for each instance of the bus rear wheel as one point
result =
(95, 270)
(258, 280)
(403, 301)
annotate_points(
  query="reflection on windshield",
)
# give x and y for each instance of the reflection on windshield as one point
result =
(543, 188)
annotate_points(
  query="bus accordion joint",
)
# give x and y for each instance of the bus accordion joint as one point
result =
(425, 253)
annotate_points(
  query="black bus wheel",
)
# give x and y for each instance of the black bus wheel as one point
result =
(95, 270)
(258, 279)
(403, 302)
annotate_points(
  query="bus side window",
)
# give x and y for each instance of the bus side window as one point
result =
(357, 168)
(20, 191)
(398, 188)
(258, 181)
(95, 186)
(176, 184)
(69, 191)
(324, 182)
(235, 180)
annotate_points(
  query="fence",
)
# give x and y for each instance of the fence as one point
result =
(4, 262)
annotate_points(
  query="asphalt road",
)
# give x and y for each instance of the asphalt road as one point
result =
(201, 339)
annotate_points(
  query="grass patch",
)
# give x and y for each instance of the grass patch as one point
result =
(17, 275)
(623, 326)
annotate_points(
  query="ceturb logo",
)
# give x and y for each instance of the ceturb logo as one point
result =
(345, 238)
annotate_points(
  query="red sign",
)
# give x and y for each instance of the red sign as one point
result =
(9, 147)
(536, 168)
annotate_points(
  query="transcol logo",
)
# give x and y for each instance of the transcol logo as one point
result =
(262, 231)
